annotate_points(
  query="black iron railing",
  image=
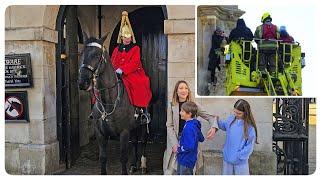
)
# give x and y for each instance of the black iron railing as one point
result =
(290, 135)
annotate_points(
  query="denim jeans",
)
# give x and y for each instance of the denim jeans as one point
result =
(183, 170)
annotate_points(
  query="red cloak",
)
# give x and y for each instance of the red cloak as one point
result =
(135, 80)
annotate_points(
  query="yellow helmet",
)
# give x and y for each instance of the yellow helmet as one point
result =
(265, 16)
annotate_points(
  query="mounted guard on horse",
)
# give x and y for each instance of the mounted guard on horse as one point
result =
(121, 92)
(127, 63)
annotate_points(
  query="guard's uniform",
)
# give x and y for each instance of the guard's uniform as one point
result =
(136, 82)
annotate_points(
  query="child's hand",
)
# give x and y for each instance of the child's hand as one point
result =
(175, 148)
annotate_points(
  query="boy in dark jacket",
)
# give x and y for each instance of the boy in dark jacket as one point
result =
(187, 150)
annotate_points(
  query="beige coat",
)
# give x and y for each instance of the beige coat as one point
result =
(169, 158)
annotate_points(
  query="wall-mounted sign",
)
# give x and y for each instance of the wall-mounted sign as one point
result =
(16, 106)
(18, 72)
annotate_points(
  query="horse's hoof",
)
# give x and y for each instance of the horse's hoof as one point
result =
(143, 170)
(132, 169)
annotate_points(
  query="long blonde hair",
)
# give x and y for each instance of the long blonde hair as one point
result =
(175, 97)
(243, 106)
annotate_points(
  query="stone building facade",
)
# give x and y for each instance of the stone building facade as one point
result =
(210, 17)
(33, 148)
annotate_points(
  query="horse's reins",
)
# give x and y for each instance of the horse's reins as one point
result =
(95, 72)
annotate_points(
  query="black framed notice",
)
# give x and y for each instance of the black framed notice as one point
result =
(16, 106)
(18, 71)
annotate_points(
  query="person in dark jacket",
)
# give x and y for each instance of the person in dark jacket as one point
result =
(187, 150)
(241, 32)
(215, 51)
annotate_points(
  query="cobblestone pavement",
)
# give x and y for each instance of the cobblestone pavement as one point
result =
(88, 162)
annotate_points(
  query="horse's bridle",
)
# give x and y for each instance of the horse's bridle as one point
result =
(95, 73)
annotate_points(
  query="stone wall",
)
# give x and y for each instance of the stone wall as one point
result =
(180, 30)
(32, 148)
(260, 163)
(210, 17)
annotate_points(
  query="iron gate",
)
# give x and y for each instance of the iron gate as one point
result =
(290, 135)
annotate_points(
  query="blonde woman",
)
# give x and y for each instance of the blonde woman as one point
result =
(181, 94)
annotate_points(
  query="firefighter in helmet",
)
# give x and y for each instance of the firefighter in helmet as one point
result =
(267, 34)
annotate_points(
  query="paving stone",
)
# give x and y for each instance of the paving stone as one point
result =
(88, 162)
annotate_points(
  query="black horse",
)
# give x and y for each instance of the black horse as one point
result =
(112, 112)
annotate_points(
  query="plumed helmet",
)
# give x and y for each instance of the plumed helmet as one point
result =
(125, 28)
(125, 31)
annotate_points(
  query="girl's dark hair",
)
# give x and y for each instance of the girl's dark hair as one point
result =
(243, 106)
